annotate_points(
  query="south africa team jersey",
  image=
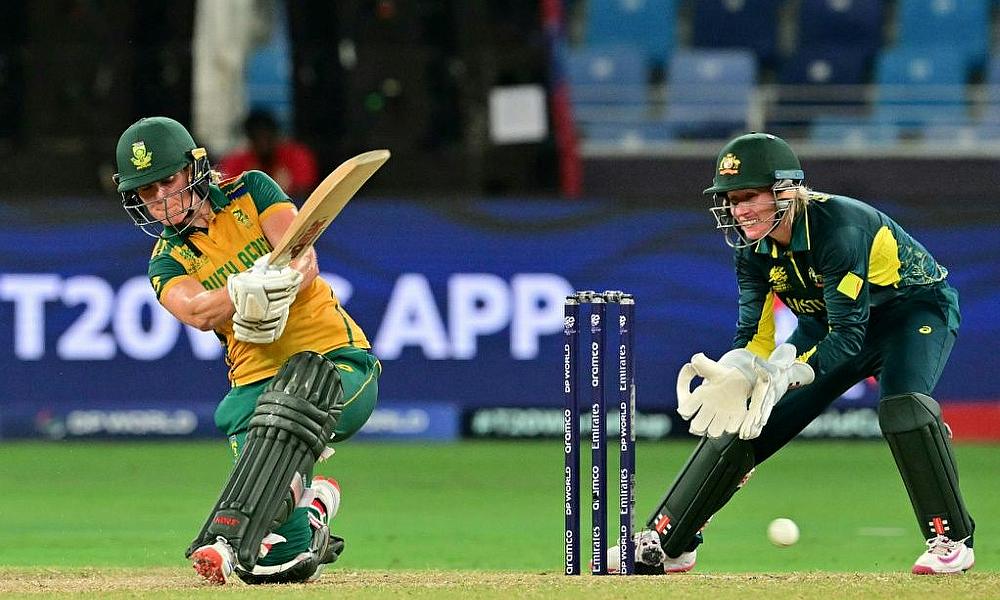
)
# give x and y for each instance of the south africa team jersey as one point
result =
(233, 240)
(846, 262)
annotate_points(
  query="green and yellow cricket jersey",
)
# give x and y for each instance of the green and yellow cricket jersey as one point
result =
(233, 240)
(846, 262)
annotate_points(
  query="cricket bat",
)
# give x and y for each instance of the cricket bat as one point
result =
(324, 204)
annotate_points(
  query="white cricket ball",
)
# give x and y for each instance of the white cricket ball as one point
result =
(783, 532)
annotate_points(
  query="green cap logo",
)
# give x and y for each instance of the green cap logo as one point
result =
(140, 157)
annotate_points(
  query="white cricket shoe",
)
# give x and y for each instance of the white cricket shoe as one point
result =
(650, 558)
(944, 556)
(214, 562)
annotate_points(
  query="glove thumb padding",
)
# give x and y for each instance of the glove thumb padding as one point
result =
(687, 404)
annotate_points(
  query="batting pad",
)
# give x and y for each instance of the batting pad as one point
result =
(912, 425)
(293, 421)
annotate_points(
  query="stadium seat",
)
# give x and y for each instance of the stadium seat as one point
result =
(648, 24)
(825, 65)
(628, 136)
(738, 24)
(709, 92)
(959, 24)
(607, 83)
(852, 132)
(820, 79)
(990, 115)
(917, 87)
(850, 24)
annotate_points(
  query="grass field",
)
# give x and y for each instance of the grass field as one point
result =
(475, 520)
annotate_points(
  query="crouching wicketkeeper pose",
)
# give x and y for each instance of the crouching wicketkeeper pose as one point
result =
(870, 301)
(301, 370)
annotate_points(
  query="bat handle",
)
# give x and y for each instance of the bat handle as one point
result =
(279, 262)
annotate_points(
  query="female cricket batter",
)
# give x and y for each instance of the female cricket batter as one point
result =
(301, 369)
(870, 301)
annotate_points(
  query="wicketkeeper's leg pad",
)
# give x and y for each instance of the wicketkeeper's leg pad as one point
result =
(707, 481)
(291, 425)
(912, 425)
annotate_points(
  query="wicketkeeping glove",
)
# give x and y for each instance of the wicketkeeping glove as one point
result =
(774, 377)
(719, 404)
(262, 296)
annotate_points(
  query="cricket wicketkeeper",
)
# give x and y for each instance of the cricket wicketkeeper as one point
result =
(870, 301)
(301, 369)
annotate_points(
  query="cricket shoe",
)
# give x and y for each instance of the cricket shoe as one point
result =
(650, 559)
(326, 502)
(214, 562)
(326, 499)
(324, 548)
(944, 556)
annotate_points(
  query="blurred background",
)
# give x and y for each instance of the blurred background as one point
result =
(538, 148)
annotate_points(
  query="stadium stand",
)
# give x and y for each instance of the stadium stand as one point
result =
(915, 87)
(962, 25)
(606, 80)
(738, 24)
(854, 25)
(851, 132)
(648, 24)
(709, 92)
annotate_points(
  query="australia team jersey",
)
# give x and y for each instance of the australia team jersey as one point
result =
(846, 262)
(233, 240)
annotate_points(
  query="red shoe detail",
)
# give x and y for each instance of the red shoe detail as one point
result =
(210, 564)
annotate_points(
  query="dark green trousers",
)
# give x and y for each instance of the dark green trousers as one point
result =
(906, 348)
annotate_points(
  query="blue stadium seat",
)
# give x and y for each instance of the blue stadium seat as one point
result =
(628, 135)
(709, 92)
(738, 24)
(991, 82)
(607, 83)
(818, 79)
(917, 87)
(648, 24)
(959, 24)
(826, 65)
(854, 24)
(853, 132)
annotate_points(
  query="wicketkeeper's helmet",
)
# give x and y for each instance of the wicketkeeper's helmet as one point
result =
(753, 161)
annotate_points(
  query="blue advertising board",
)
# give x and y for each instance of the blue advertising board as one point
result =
(463, 304)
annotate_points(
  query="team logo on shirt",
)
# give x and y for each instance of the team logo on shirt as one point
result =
(779, 279)
(141, 157)
(194, 262)
(729, 165)
(242, 218)
(815, 277)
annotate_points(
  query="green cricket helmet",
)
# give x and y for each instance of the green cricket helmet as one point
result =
(152, 149)
(753, 161)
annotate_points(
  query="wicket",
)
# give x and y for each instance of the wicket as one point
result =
(598, 302)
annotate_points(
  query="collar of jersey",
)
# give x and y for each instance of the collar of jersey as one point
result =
(216, 198)
(801, 240)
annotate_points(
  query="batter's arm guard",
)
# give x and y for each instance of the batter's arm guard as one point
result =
(293, 421)
(912, 425)
(706, 482)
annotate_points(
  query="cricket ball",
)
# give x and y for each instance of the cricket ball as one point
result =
(783, 532)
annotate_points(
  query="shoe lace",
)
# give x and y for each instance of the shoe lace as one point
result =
(943, 544)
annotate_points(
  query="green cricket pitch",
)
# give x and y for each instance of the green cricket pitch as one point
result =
(476, 520)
